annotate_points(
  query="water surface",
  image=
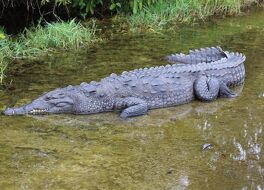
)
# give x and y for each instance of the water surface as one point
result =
(161, 150)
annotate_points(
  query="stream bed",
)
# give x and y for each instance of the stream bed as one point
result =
(160, 150)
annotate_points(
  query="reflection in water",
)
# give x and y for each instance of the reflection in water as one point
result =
(161, 150)
(242, 153)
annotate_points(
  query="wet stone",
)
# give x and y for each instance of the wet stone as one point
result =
(207, 146)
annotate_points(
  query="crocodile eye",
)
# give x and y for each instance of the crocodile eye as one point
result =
(62, 104)
(48, 98)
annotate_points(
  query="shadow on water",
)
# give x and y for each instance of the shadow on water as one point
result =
(161, 150)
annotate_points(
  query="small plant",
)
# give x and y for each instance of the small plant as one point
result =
(59, 35)
(86, 6)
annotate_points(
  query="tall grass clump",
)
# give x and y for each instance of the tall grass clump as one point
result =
(58, 35)
(166, 12)
(40, 39)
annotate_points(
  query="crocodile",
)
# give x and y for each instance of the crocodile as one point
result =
(203, 74)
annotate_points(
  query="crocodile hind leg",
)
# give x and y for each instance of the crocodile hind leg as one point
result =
(206, 88)
(131, 106)
(209, 88)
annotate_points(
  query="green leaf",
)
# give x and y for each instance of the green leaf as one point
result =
(2, 36)
(140, 5)
(112, 6)
(135, 7)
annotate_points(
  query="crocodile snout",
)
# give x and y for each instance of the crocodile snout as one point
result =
(14, 111)
(9, 111)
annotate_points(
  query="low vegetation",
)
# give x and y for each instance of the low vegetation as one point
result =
(165, 13)
(38, 40)
(140, 14)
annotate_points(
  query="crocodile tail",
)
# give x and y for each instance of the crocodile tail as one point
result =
(207, 55)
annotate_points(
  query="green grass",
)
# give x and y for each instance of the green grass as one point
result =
(58, 35)
(168, 12)
(4, 53)
(3, 66)
(40, 39)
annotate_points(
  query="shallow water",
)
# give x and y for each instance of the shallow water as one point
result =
(161, 150)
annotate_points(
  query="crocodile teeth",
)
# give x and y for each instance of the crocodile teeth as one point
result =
(38, 111)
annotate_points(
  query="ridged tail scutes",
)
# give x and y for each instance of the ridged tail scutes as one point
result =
(208, 55)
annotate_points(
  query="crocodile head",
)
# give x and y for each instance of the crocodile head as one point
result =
(64, 100)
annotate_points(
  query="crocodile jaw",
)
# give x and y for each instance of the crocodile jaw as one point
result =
(24, 111)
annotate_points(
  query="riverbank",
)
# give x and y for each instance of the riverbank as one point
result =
(39, 40)
(156, 16)
(168, 13)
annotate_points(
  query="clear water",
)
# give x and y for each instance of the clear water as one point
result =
(161, 150)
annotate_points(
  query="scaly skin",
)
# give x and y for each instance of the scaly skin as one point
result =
(203, 74)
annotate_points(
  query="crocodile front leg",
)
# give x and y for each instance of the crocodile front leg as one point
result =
(131, 106)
